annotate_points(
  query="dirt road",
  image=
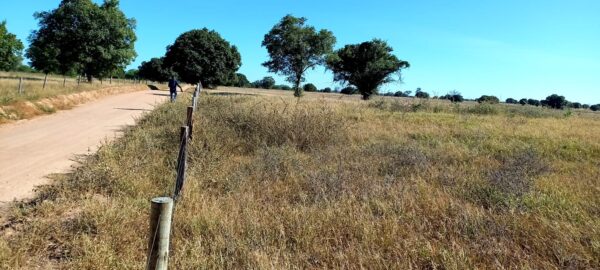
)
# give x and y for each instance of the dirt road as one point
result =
(32, 149)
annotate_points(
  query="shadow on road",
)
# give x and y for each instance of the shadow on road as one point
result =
(131, 109)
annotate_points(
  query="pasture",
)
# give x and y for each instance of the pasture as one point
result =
(329, 181)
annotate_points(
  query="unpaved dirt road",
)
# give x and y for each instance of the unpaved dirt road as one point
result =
(32, 149)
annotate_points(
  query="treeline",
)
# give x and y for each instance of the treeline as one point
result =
(92, 40)
(553, 101)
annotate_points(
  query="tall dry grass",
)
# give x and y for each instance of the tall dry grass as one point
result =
(279, 183)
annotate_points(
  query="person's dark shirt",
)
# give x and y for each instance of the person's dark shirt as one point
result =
(173, 85)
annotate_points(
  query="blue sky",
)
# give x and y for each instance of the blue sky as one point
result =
(505, 48)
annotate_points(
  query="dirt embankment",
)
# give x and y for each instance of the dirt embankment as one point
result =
(29, 109)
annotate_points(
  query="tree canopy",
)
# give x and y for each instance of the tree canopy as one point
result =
(366, 65)
(203, 55)
(154, 70)
(294, 48)
(81, 36)
(555, 101)
(11, 49)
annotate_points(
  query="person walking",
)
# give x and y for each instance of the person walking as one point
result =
(173, 84)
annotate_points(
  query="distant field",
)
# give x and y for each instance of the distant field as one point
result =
(330, 181)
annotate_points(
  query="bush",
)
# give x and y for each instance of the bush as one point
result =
(421, 94)
(511, 101)
(595, 107)
(575, 105)
(326, 90)
(309, 87)
(282, 87)
(534, 102)
(488, 99)
(523, 101)
(305, 127)
(349, 90)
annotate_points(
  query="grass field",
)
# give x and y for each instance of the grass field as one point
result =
(329, 181)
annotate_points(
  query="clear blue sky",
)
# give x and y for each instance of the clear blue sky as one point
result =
(505, 48)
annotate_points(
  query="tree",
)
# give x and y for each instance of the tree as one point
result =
(555, 101)
(309, 87)
(11, 49)
(203, 55)
(366, 65)
(523, 101)
(585, 106)
(294, 48)
(132, 74)
(511, 101)
(575, 105)
(240, 80)
(595, 107)
(488, 99)
(154, 70)
(421, 94)
(326, 90)
(80, 36)
(267, 82)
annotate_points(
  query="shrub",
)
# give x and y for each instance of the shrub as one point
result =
(595, 107)
(309, 87)
(421, 94)
(488, 99)
(534, 102)
(326, 90)
(523, 101)
(512, 101)
(349, 90)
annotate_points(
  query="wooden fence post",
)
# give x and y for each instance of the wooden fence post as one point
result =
(20, 85)
(190, 121)
(45, 80)
(161, 213)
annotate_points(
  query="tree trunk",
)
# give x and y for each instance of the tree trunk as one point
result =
(45, 80)
(89, 78)
(64, 80)
(297, 91)
(110, 82)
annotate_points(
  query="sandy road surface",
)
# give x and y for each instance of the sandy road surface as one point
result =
(32, 149)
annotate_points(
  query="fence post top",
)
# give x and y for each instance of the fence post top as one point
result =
(162, 200)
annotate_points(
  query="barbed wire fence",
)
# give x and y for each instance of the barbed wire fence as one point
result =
(162, 208)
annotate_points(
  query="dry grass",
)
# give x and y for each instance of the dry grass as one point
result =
(279, 183)
(36, 101)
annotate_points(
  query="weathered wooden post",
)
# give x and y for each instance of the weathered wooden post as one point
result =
(45, 80)
(161, 213)
(20, 85)
(190, 121)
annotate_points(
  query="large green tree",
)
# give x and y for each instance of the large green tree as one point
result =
(203, 55)
(83, 37)
(154, 70)
(366, 65)
(11, 49)
(295, 47)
